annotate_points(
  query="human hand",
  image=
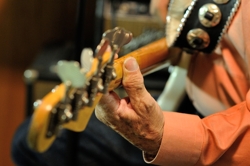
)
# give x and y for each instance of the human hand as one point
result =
(138, 117)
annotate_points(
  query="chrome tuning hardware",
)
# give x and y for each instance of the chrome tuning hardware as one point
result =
(74, 80)
(117, 37)
(96, 83)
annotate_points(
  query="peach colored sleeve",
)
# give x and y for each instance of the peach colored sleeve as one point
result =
(180, 136)
(220, 139)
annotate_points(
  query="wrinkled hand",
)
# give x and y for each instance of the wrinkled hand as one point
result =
(138, 118)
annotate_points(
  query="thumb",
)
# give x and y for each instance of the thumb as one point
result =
(133, 82)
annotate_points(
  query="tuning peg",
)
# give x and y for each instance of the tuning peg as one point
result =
(118, 37)
(69, 71)
(96, 82)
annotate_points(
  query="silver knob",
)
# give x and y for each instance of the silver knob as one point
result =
(198, 38)
(209, 15)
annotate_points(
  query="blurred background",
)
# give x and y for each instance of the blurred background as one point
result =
(34, 35)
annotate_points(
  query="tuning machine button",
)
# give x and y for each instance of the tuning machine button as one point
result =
(87, 58)
(70, 71)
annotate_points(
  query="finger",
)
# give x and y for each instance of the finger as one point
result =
(133, 81)
(106, 107)
(109, 102)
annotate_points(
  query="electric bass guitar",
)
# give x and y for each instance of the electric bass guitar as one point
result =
(70, 104)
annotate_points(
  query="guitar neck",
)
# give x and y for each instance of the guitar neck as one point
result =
(147, 57)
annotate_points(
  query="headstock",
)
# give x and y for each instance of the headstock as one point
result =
(82, 86)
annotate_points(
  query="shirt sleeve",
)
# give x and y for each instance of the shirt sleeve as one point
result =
(220, 139)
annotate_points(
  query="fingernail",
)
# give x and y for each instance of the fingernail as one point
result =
(131, 64)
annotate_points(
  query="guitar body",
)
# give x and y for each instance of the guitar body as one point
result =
(148, 57)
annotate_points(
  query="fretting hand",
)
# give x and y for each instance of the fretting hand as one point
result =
(138, 118)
